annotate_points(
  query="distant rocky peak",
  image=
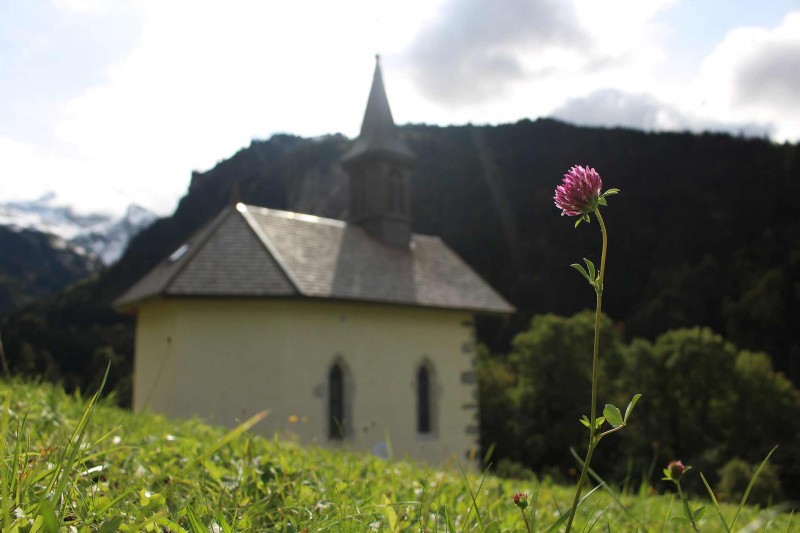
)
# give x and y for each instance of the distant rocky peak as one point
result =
(98, 236)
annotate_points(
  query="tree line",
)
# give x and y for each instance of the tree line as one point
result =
(705, 402)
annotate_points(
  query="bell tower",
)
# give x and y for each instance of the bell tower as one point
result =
(379, 165)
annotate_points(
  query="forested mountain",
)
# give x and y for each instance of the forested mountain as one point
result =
(35, 264)
(703, 233)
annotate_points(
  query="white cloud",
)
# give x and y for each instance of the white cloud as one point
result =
(476, 47)
(612, 107)
(754, 74)
(485, 61)
(30, 171)
(83, 6)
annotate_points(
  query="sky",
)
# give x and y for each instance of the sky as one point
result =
(105, 103)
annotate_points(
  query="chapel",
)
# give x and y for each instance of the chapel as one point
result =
(355, 334)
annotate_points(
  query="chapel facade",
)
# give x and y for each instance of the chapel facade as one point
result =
(356, 334)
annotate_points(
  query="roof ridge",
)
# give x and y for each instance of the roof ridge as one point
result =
(270, 246)
(296, 215)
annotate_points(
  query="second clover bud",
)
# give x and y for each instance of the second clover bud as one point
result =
(675, 470)
(521, 500)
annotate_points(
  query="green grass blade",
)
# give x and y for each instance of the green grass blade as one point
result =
(716, 503)
(448, 521)
(194, 521)
(73, 449)
(167, 523)
(564, 516)
(594, 475)
(590, 525)
(667, 515)
(750, 486)
(472, 495)
(229, 437)
(7, 473)
(49, 523)
(111, 525)
(222, 523)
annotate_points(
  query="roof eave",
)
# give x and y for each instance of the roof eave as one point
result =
(132, 307)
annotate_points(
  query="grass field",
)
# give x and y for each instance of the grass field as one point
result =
(73, 464)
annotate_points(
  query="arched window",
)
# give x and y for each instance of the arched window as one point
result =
(336, 403)
(424, 425)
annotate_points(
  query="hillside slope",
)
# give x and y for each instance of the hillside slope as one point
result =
(141, 472)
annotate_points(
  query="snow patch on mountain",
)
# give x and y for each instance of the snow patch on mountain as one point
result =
(95, 235)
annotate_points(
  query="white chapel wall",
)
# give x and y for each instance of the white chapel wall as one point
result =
(237, 357)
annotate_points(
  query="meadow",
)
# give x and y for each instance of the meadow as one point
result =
(73, 463)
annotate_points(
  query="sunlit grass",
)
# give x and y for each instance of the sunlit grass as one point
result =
(71, 461)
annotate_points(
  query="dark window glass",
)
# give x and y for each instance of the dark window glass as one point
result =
(336, 403)
(423, 401)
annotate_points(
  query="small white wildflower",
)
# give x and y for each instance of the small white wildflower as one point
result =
(98, 468)
(321, 506)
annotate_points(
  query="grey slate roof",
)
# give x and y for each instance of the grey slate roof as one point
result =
(253, 251)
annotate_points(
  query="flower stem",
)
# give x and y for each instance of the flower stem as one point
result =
(686, 508)
(595, 370)
(527, 524)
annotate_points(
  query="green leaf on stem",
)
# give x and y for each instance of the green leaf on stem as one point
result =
(698, 513)
(590, 274)
(582, 218)
(613, 415)
(583, 272)
(609, 192)
(630, 407)
(592, 271)
(602, 201)
(597, 423)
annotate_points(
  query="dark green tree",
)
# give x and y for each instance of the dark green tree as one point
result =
(553, 362)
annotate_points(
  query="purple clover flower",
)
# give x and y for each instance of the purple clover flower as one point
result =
(579, 192)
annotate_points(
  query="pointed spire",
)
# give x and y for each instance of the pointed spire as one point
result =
(379, 165)
(378, 131)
